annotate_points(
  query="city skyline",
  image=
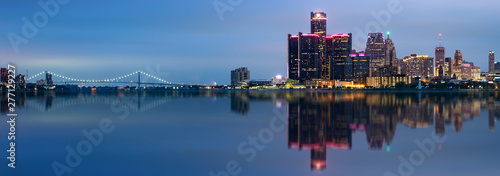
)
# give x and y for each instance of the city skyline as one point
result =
(103, 42)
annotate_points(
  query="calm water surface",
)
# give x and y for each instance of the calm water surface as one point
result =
(255, 133)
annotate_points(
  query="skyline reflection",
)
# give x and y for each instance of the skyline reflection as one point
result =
(317, 120)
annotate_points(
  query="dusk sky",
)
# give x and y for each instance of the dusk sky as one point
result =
(189, 43)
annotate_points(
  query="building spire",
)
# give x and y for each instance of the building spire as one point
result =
(440, 39)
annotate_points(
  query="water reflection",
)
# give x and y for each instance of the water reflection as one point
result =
(317, 120)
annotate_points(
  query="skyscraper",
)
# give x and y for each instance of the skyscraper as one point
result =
(457, 66)
(4, 75)
(318, 26)
(293, 57)
(341, 47)
(310, 65)
(360, 67)
(492, 62)
(440, 60)
(448, 67)
(318, 23)
(418, 65)
(317, 55)
(48, 79)
(303, 57)
(375, 49)
(390, 52)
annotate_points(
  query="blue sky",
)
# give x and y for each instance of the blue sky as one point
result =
(190, 44)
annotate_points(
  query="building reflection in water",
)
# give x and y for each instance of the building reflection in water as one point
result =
(318, 121)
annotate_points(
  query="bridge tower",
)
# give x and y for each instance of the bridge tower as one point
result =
(139, 82)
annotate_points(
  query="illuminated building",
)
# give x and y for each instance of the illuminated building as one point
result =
(360, 67)
(390, 81)
(303, 57)
(341, 47)
(467, 70)
(239, 75)
(428, 70)
(4, 74)
(317, 55)
(309, 66)
(492, 62)
(293, 57)
(21, 81)
(348, 69)
(440, 61)
(375, 49)
(390, 52)
(48, 79)
(457, 66)
(448, 67)
(497, 67)
(418, 66)
(318, 26)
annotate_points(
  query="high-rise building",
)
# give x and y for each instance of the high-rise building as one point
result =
(476, 73)
(428, 67)
(448, 67)
(390, 52)
(497, 67)
(467, 70)
(318, 23)
(360, 67)
(418, 65)
(293, 57)
(4, 75)
(341, 47)
(318, 26)
(440, 61)
(375, 49)
(310, 66)
(48, 79)
(491, 62)
(239, 75)
(304, 64)
(457, 66)
(317, 55)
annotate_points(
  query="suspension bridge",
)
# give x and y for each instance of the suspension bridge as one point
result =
(127, 78)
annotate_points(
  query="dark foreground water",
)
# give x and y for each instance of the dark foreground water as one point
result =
(254, 133)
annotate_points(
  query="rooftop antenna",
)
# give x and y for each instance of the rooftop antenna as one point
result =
(440, 39)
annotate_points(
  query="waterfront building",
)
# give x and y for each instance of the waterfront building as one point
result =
(457, 65)
(492, 62)
(239, 75)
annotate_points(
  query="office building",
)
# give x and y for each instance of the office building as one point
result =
(238, 75)
(476, 73)
(375, 49)
(388, 81)
(457, 65)
(360, 67)
(491, 62)
(467, 70)
(48, 79)
(390, 52)
(341, 47)
(440, 61)
(316, 55)
(448, 67)
(4, 75)
(418, 66)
